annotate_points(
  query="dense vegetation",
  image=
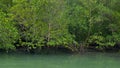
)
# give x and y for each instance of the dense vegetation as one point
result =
(70, 24)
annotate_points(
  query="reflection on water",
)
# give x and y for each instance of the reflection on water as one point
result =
(88, 60)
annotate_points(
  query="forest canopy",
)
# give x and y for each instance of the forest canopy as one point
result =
(72, 24)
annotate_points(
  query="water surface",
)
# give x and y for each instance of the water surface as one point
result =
(88, 60)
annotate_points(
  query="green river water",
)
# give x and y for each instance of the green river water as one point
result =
(88, 60)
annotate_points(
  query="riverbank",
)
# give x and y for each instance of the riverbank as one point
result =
(61, 50)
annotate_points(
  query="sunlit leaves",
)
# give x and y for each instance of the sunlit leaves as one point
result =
(8, 33)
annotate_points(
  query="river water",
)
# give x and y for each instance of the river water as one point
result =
(87, 60)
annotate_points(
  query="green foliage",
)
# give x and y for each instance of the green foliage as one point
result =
(94, 21)
(8, 33)
(5, 5)
(41, 23)
(37, 23)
